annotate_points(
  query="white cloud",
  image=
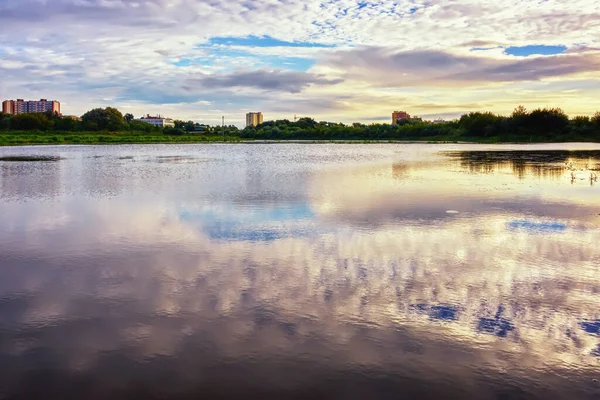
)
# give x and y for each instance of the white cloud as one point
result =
(77, 51)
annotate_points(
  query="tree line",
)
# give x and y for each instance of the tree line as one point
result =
(107, 119)
(539, 125)
(98, 119)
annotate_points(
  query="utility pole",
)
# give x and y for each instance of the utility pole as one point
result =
(223, 127)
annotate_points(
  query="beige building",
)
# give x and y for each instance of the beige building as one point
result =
(254, 118)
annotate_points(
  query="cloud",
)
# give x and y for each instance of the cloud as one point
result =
(148, 52)
(388, 67)
(275, 80)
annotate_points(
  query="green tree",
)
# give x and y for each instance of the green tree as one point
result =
(5, 121)
(478, 124)
(128, 117)
(66, 124)
(306, 123)
(547, 123)
(107, 119)
(33, 121)
(189, 126)
(139, 126)
(173, 131)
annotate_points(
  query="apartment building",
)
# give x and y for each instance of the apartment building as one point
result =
(158, 121)
(399, 115)
(21, 106)
(254, 118)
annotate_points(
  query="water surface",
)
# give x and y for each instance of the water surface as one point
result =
(300, 271)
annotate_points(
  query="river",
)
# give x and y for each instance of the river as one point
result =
(350, 271)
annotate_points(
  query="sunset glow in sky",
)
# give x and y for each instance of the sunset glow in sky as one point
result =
(343, 61)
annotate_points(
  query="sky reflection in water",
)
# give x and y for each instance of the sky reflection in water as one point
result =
(317, 271)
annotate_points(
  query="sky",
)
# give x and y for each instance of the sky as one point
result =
(340, 61)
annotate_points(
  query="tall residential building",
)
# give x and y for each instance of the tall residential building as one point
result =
(399, 115)
(21, 106)
(254, 118)
(158, 121)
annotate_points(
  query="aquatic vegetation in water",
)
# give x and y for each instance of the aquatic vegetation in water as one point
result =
(179, 159)
(29, 158)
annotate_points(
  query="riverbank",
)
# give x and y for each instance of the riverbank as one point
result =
(52, 138)
(95, 138)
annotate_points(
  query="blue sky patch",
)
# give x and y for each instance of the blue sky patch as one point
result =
(444, 312)
(224, 54)
(235, 217)
(441, 312)
(537, 49)
(591, 327)
(264, 41)
(496, 326)
(292, 63)
(537, 227)
(258, 225)
(484, 48)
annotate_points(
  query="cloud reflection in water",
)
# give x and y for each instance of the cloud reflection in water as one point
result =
(355, 268)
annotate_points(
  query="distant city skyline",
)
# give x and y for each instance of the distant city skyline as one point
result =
(342, 61)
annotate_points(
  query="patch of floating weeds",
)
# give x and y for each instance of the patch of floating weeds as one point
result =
(178, 159)
(29, 158)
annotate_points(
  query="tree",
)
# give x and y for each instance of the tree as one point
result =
(66, 124)
(5, 121)
(128, 117)
(477, 124)
(306, 123)
(520, 111)
(107, 119)
(547, 122)
(189, 126)
(141, 126)
(173, 131)
(596, 119)
(33, 121)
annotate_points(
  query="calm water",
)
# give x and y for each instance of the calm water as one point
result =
(300, 271)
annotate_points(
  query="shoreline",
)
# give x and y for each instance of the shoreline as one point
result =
(245, 141)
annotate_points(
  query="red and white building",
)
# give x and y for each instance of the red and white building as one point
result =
(21, 106)
(399, 115)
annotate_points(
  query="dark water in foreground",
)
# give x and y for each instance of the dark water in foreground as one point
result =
(300, 271)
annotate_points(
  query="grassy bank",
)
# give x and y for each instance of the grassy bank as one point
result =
(21, 138)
